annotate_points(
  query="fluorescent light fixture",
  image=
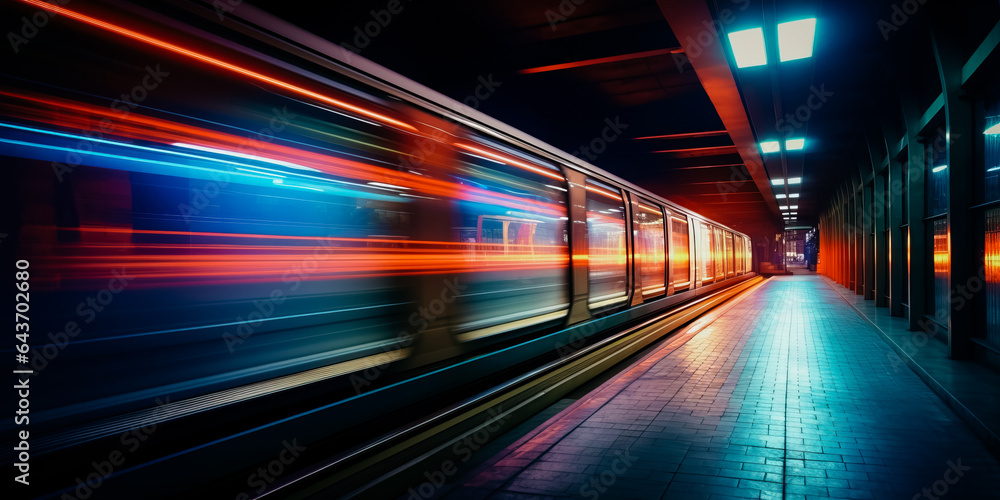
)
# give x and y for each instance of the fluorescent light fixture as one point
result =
(748, 48)
(795, 39)
(795, 144)
(795, 207)
(994, 169)
(939, 168)
(793, 213)
(770, 146)
(795, 180)
(780, 196)
(778, 182)
(783, 207)
(793, 195)
(786, 218)
(994, 130)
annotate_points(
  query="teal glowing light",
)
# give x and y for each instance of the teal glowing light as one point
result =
(795, 144)
(748, 47)
(795, 39)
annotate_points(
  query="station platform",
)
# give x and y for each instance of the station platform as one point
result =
(785, 392)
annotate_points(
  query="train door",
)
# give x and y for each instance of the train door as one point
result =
(649, 250)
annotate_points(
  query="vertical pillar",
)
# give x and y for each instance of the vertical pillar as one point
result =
(881, 255)
(962, 254)
(897, 246)
(869, 249)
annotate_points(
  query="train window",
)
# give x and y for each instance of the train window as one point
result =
(606, 234)
(679, 254)
(516, 258)
(730, 256)
(718, 254)
(706, 254)
(744, 255)
(650, 248)
(739, 247)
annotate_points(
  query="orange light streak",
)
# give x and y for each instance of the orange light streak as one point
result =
(511, 161)
(219, 63)
(605, 192)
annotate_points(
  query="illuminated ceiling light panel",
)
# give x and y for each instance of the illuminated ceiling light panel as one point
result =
(795, 207)
(795, 144)
(994, 130)
(794, 180)
(793, 195)
(780, 196)
(786, 218)
(783, 207)
(770, 146)
(748, 48)
(777, 182)
(795, 39)
(793, 213)
(939, 168)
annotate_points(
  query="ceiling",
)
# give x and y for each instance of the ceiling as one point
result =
(689, 120)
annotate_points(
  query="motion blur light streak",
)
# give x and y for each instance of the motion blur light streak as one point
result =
(222, 64)
(243, 155)
(511, 161)
(340, 257)
(165, 131)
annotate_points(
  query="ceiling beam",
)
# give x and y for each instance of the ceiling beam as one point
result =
(689, 21)
(601, 60)
(690, 135)
(696, 152)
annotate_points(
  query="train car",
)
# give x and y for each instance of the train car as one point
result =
(223, 215)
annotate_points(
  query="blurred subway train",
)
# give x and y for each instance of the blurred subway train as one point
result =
(239, 234)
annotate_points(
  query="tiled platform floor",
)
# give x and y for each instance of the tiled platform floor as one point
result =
(787, 394)
(966, 386)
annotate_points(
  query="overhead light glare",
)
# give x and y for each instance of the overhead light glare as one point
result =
(994, 130)
(793, 195)
(795, 180)
(795, 207)
(994, 169)
(795, 144)
(780, 196)
(939, 168)
(778, 182)
(795, 39)
(748, 48)
(783, 207)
